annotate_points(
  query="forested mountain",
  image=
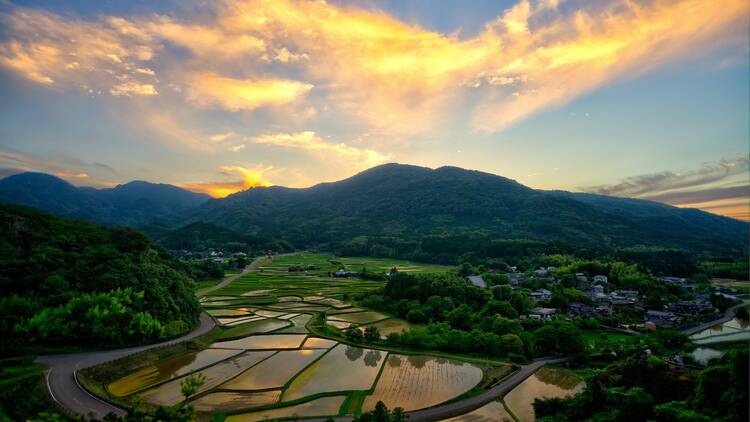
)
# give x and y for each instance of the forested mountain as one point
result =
(132, 204)
(66, 282)
(203, 236)
(393, 207)
(408, 203)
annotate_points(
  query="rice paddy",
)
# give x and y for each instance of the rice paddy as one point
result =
(344, 368)
(263, 363)
(416, 382)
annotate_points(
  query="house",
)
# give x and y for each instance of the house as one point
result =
(541, 295)
(581, 277)
(342, 273)
(580, 309)
(659, 319)
(515, 278)
(596, 292)
(477, 281)
(675, 281)
(542, 313)
(600, 279)
(541, 272)
(239, 255)
(603, 310)
(689, 307)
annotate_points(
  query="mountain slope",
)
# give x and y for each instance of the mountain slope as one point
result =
(410, 202)
(133, 204)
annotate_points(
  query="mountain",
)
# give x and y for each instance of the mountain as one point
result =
(132, 204)
(410, 202)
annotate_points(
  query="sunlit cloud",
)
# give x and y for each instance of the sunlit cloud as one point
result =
(208, 89)
(720, 187)
(310, 141)
(221, 137)
(394, 77)
(233, 179)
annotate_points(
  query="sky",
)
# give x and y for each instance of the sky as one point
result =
(645, 99)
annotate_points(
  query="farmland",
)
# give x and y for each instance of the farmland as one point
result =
(267, 359)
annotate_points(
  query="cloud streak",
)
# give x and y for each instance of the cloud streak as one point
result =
(719, 187)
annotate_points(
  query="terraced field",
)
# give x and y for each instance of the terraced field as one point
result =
(265, 364)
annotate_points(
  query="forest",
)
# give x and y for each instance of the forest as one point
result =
(71, 283)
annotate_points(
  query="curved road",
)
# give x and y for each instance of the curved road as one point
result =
(63, 386)
(498, 390)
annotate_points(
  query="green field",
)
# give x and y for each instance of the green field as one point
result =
(273, 315)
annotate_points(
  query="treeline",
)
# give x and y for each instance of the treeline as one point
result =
(71, 283)
(525, 254)
(461, 318)
(642, 388)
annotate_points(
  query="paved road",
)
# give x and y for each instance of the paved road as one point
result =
(728, 314)
(65, 389)
(498, 390)
(63, 386)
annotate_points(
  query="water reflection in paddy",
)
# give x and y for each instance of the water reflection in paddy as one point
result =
(168, 369)
(341, 369)
(323, 406)
(703, 355)
(732, 330)
(544, 383)
(170, 393)
(416, 382)
(493, 411)
(275, 371)
(227, 401)
(270, 341)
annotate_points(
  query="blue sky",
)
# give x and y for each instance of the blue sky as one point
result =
(647, 100)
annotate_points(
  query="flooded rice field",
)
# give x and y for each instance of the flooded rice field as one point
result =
(416, 382)
(275, 371)
(545, 383)
(732, 330)
(268, 341)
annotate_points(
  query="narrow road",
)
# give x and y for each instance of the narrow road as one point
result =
(498, 390)
(63, 385)
(728, 314)
(256, 262)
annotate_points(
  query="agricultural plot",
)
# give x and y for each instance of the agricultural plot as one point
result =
(275, 371)
(170, 393)
(263, 356)
(298, 324)
(225, 401)
(493, 411)
(323, 406)
(416, 382)
(545, 383)
(254, 327)
(263, 342)
(391, 325)
(359, 317)
(166, 370)
(343, 368)
(383, 265)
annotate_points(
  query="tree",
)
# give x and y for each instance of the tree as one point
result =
(353, 333)
(372, 333)
(191, 384)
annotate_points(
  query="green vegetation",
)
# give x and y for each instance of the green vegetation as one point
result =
(645, 388)
(70, 283)
(22, 378)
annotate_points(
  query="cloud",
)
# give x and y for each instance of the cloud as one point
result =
(235, 179)
(133, 88)
(311, 142)
(70, 169)
(719, 187)
(208, 89)
(393, 77)
(221, 137)
(655, 183)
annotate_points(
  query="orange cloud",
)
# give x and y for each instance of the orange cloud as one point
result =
(356, 157)
(248, 178)
(209, 89)
(394, 77)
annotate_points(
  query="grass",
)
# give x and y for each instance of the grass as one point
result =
(599, 340)
(23, 392)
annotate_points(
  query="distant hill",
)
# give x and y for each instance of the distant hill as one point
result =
(409, 202)
(132, 204)
(200, 235)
